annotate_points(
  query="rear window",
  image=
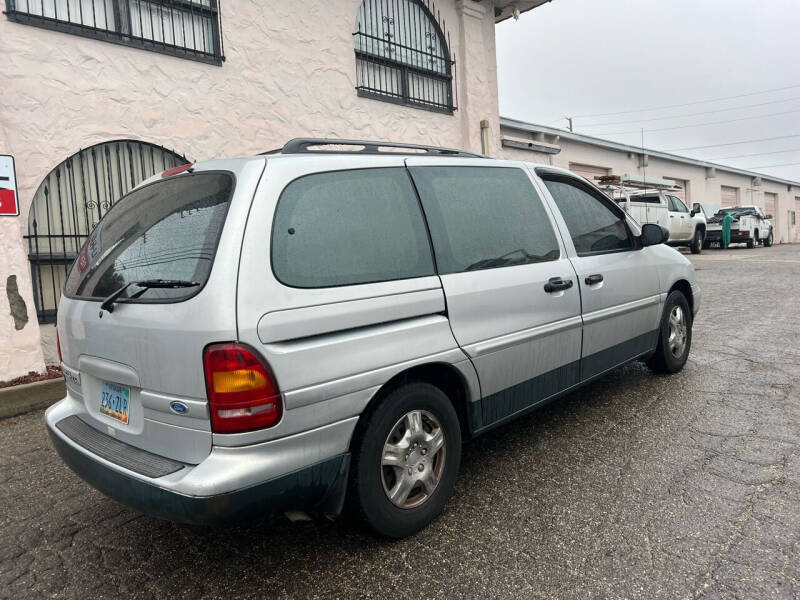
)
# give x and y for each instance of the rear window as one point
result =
(166, 230)
(646, 199)
(349, 227)
(484, 218)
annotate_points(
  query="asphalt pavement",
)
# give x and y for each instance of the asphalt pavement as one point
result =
(639, 486)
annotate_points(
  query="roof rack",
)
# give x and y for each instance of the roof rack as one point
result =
(309, 145)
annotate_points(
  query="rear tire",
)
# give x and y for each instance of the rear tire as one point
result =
(697, 245)
(674, 337)
(405, 459)
(751, 244)
(768, 240)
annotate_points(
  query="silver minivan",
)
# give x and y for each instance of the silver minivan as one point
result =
(333, 320)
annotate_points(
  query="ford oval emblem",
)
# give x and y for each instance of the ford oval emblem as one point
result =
(179, 408)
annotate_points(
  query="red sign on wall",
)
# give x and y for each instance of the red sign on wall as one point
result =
(9, 200)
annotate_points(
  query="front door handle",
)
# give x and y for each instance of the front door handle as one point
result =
(556, 284)
(593, 279)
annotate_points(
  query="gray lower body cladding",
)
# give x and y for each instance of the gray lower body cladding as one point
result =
(509, 403)
(320, 485)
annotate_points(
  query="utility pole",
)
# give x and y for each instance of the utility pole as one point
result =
(569, 121)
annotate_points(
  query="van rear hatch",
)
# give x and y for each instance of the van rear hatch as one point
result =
(168, 254)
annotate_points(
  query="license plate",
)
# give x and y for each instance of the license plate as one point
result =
(115, 401)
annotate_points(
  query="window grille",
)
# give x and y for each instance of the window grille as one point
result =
(402, 55)
(72, 199)
(185, 28)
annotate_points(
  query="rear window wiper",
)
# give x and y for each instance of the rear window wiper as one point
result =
(146, 284)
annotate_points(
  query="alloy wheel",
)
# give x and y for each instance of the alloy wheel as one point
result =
(413, 459)
(678, 332)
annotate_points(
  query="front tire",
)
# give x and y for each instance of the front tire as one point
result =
(675, 336)
(406, 459)
(696, 246)
(768, 240)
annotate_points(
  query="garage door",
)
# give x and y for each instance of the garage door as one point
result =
(589, 171)
(730, 196)
(681, 193)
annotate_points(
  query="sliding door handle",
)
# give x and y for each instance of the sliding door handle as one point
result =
(593, 279)
(556, 284)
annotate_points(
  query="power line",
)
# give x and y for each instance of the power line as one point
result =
(788, 112)
(706, 112)
(756, 154)
(625, 112)
(769, 139)
(770, 166)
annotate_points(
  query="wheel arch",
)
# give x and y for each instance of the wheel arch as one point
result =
(683, 286)
(445, 376)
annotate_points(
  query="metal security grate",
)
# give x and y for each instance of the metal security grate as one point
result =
(185, 28)
(72, 199)
(402, 55)
(122, 454)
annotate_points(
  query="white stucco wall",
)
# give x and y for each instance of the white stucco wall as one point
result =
(700, 188)
(289, 72)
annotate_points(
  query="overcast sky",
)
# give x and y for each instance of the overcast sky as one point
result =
(592, 57)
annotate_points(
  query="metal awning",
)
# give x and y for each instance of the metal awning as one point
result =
(504, 9)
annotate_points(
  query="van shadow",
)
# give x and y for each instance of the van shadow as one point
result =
(295, 556)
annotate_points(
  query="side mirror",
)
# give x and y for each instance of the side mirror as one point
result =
(696, 209)
(768, 217)
(653, 234)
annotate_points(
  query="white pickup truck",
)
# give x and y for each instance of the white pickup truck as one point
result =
(686, 227)
(750, 226)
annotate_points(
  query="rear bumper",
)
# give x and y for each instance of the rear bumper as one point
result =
(715, 235)
(320, 484)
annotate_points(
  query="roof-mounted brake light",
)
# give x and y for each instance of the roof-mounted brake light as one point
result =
(178, 169)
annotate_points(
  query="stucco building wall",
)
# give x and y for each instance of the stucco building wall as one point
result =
(289, 72)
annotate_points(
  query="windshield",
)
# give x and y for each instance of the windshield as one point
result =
(167, 230)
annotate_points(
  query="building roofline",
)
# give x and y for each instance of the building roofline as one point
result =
(588, 139)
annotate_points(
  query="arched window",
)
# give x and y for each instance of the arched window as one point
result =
(72, 199)
(402, 55)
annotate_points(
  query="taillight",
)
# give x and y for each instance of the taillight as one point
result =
(242, 392)
(58, 346)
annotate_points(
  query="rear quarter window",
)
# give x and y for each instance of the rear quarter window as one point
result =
(349, 227)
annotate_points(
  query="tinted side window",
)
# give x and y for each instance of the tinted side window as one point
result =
(484, 218)
(349, 227)
(593, 226)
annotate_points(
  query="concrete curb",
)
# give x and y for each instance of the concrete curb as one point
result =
(19, 399)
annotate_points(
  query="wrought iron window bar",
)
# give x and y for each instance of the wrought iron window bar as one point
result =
(402, 55)
(72, 199)
(185, 28)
